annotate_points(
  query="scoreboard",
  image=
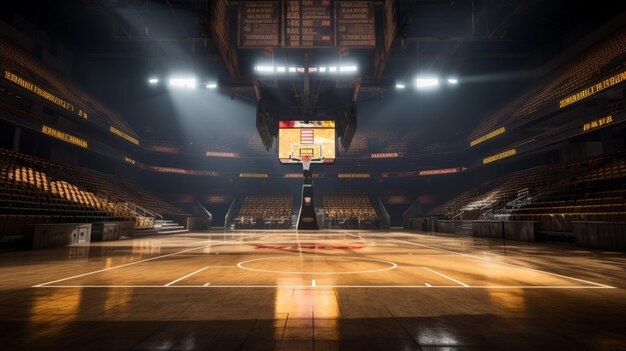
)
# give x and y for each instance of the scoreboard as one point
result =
(306, 24)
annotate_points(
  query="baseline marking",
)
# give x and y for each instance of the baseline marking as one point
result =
(132, 263)
(445, 276)
(187, 276)
(505, 263)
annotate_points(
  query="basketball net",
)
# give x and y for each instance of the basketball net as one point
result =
(306, 162)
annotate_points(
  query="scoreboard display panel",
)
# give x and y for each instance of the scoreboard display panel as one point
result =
(313, 138)
(258, 24)
(307, 24)
(355, 24)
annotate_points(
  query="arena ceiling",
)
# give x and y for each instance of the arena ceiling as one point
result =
(494, 46)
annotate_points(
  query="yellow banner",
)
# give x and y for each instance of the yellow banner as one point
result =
(488, 136)
(123, 135)
(42, 93)
(607, 83)
(253, 175)
(64, 136)
(597, 123)
(499, 156)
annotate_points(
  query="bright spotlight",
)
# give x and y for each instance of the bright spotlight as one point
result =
(400, 86)
(212, 85)
(264, 69)
(183, 82)
(426, 82)
(153, 80)
(346, 69)
(453, 80)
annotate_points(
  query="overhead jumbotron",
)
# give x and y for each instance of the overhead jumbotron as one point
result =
(313, 175)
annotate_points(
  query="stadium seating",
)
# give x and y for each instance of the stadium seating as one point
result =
(34, 191)
(592, 189)
(348, 210)
(595, 63)
(265, 210)
(598, 194)
(25, 65)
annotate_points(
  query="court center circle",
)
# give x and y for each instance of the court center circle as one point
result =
(316, 265)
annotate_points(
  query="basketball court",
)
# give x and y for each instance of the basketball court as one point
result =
(328, 259)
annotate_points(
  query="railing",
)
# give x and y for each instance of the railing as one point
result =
(140, 211)
(229, 213)
(144, 219)
(383, 212)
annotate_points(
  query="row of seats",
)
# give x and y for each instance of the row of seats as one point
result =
(595, 63)
(496, 194)
(30, 186)
(265, 210)
(598, 194)
(348, 210)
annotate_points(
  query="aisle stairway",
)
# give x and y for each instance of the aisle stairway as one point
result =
(162, 227)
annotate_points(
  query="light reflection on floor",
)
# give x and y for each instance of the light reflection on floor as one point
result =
(329, 291)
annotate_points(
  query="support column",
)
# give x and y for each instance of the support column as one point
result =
(307, 219)
(17, 137)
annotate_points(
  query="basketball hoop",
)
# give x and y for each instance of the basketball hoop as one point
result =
(306, 162)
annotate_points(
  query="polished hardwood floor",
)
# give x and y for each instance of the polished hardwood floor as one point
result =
(329, 290)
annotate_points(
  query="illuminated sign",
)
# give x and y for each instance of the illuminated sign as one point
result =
(123, 135)
(385, 155)
(353, 175)
(129, 160)
(42, 93)
(488, 136)
(607, 83)
(597, 123)
(159, 148)
(222, 154)
(258, 24)
(253, 175)
(440, 171)
(293, 175)
(216, 199)
(64, 136)
(499, 156)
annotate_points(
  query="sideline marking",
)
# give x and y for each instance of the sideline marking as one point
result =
(335, 286)
(313, 283)
(505, 263)
(445, 276)
(207, 284)
(427, 284)
(187, 276)
(133, 263)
